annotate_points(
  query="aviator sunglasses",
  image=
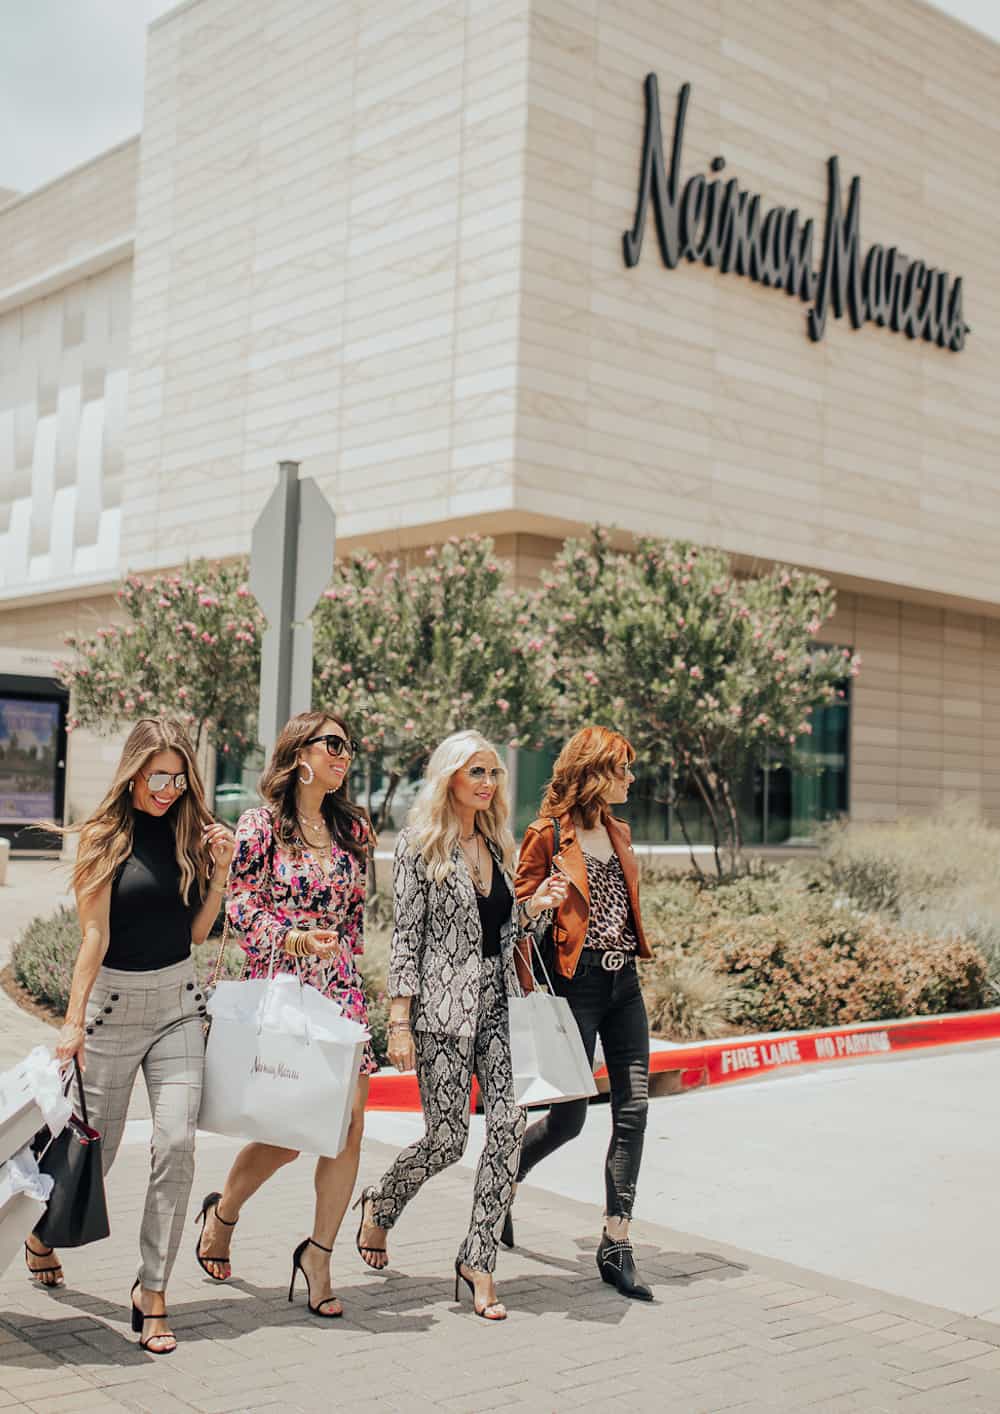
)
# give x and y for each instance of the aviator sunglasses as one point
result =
(479, 773)
(159, 780)
(335, 745)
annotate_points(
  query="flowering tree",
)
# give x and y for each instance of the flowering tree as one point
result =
(411, 654)
(188, 646)
(706, 673)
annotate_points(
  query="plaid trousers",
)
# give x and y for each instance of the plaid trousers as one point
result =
(151, 1020)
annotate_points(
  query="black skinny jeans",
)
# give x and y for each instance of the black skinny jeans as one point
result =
(609, 1005)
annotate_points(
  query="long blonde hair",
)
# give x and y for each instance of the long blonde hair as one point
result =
(106, 836)
(432, 827)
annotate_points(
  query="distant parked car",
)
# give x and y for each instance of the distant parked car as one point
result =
(231, 800)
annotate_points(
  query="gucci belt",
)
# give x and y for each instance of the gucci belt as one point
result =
(613, 959)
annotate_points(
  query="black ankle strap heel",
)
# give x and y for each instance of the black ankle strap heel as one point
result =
(297, 1267)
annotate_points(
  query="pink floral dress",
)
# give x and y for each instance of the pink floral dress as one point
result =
(273, 889)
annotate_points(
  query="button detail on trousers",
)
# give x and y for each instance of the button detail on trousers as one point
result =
(189, 986)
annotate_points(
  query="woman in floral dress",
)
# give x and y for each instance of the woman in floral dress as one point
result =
(297, 893)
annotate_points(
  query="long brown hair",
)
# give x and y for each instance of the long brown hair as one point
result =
(347, 822)
(584, 773)
(107, 834)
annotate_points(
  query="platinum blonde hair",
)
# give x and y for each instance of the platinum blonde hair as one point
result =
(432, 827)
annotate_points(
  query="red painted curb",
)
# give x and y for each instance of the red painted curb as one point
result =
(743, 1057)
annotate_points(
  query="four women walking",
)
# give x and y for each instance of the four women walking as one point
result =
(150, 876)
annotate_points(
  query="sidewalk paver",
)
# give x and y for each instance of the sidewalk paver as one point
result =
(729, 1333)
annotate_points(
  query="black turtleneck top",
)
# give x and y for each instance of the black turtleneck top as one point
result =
(150, 923)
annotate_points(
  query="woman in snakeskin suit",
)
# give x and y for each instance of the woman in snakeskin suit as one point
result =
(451, 971)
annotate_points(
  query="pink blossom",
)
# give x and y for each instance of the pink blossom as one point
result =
(503, 705)
(591, 677)
(696, 672)
(409, 726)
(761, 719)
(243, 592)
(163, 602)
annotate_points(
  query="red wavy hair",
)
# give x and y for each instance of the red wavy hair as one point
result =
(584, 772)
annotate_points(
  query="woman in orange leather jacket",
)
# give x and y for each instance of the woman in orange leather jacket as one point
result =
(597, 937)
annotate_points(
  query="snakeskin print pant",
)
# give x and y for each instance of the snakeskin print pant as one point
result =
(445, 1067)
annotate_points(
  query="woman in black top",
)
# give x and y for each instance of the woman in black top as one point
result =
(149, 879)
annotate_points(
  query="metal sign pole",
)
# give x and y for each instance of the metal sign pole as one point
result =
(291, 561)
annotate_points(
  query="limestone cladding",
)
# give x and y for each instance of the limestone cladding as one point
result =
(70, 218)
(386, 240)
(692, 403)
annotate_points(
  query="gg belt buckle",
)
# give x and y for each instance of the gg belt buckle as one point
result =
(613, 960)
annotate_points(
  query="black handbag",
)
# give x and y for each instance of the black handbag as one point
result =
(77, 1211)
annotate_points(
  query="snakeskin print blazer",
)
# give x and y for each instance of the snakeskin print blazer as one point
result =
(437, 943)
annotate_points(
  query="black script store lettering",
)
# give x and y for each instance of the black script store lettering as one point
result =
(719, 224)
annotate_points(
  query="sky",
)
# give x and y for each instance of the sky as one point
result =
(71, 74)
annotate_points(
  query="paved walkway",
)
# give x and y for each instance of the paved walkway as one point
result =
(729, 1331)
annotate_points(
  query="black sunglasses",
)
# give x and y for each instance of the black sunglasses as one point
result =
(335, 745)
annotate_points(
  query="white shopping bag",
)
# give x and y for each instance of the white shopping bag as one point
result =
(546, 1049)
(281, 1065)
(24, 1192)
(31, 1096)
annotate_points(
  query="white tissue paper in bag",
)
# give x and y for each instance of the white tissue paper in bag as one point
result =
(21, 1174)
(24, 1192)
(31, 1096)
(45, 1079)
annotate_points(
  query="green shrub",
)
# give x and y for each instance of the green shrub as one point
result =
(44, 955)
(914, 864)
(686, 999)
(799, 955)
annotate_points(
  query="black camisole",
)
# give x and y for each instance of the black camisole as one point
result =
(494, 910)
(150, 924)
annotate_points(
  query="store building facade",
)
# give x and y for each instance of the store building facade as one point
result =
(401, 243)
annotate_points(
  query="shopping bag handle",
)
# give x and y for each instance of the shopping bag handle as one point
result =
(301, 982)
(533, 952)
(69, 1075)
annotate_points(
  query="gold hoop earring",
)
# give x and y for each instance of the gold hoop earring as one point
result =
(312, 774)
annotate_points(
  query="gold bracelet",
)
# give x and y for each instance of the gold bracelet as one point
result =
(214, 888)
(296, 943)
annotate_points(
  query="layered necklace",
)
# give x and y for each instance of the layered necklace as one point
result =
(475, 864)
(317, 839)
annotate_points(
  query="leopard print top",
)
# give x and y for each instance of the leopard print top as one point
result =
(610, 924)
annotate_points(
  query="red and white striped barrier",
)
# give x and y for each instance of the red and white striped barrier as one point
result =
(749, 1057)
